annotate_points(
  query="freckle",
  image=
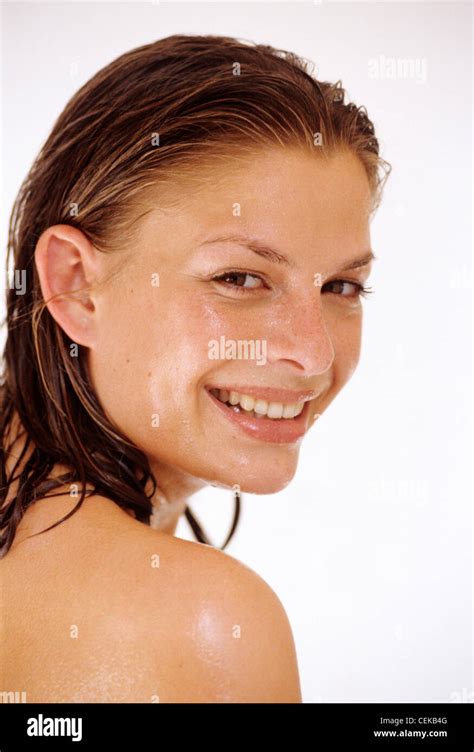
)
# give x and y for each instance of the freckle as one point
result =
(127, 360)
(149, 373)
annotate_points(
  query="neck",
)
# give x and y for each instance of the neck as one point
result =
(166, 514)
(171, 497)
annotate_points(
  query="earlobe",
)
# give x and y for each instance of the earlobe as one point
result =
(66, 265)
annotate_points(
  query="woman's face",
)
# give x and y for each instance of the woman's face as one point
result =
(237, 288)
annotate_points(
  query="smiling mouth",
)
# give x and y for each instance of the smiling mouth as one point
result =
(261, 409)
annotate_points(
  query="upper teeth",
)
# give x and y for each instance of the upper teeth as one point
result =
(259, 406)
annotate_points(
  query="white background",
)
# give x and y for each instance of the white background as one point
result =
(369, 548)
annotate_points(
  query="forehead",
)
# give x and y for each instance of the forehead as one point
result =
(288, 195)
(295, 186)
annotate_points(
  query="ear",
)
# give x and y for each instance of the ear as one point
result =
(67, 265)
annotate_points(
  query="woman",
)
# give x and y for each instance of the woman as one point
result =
(194, 239)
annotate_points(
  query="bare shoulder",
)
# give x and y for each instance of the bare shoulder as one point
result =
(215, 630)
(123, 613)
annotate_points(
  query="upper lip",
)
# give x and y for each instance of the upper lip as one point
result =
(270, 394)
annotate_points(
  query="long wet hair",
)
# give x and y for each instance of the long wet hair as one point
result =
(152, 115)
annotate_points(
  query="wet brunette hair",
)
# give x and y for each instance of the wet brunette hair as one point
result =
(151, 117)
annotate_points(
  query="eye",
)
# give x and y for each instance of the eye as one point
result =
(346, 288)
(240, 281)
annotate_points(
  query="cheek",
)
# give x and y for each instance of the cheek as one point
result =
(152, 356)
(187, 325)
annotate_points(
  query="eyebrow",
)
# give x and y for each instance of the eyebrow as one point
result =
(272, 255)
(357, 263)
(261, 249)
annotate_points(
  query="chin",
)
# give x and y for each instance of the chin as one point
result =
(259, 478)
(269, 485)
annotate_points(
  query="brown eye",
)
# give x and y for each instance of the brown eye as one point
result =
(345, 288)
(243, 280)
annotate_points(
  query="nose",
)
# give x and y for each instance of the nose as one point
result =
(298, 336)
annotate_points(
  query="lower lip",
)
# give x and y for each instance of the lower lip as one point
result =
(275, 431)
